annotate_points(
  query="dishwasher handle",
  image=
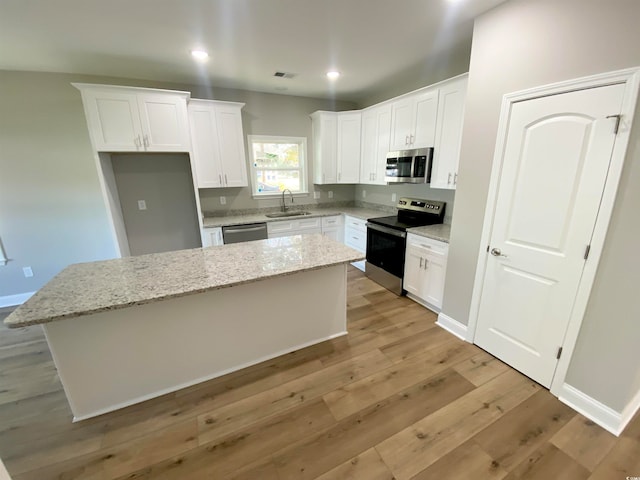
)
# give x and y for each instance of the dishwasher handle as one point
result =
(244, 229)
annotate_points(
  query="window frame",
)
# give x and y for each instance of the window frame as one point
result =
(301, 141)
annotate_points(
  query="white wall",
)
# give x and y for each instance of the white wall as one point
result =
(522, 44)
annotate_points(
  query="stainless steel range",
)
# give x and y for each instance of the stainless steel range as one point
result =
(387, 238)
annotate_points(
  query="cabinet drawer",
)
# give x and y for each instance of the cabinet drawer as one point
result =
(335, 221)
(356, 239)
(427, 244)
(294, 225)
(355, 224)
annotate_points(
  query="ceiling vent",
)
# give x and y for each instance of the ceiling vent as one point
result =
(284, 75)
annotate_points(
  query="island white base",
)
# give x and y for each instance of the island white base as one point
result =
(113, 359)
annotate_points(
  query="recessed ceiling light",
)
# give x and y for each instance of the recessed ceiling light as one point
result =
(199, 55)
(332, 75)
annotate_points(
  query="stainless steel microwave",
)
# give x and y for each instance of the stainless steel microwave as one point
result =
(409, 166)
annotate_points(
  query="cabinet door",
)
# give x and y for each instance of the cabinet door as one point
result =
(414, 274)
(425, 112)
(348, 151)
(382, 145)
(448, 134)
(231, 143)
(376, 132)
(325, 132)
(212, 237)
(113, 120)
(204, 141)
(401, 123)
(435, 264)
(164, 122)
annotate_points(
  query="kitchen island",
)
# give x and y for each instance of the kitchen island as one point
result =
(126, 330)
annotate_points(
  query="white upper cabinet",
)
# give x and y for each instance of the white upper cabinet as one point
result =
(336, 147)
(325, 141)
(125, 119)
(348, 158)
(376, 130)
(446, 153)
(218, 143)
(413, 120)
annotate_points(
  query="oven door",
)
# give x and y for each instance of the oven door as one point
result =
(385, 248)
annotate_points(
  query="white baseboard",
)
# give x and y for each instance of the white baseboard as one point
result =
(595, 411)
(629, 411)
(452, 326)
(13, 300)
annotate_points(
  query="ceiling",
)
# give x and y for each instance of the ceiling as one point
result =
(368, 41)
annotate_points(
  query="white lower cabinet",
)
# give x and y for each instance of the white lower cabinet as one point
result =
(285, 228)
(333, 228)
(424, 270)
(355, 236)
(212, 237)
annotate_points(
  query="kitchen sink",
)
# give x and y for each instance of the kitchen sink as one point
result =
(287, 214)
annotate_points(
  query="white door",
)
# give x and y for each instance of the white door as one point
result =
(554, 167)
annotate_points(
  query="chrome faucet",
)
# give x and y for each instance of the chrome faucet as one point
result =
(284, 206)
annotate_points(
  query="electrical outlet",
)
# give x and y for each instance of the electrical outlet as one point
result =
(364, 194)
(316, 195)
(142, 205)
(223, 200)
(330, 194)
(27, 272)
(393, 197)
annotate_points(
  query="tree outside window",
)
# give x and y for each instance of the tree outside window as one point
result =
(277, 163)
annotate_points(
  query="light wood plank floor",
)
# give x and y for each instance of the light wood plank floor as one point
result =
(396, 398)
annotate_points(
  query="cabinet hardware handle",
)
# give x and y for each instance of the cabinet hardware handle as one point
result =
(136, 141)
(455, 178)
(220, 179)
(146, 140)
(225, 179)
(426, 264)
(420, 262)
(411, 139)
(449, 179)
(406, 139)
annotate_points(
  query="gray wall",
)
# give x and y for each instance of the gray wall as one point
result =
(381, 194)
(51, 209)
(164, 182)
(523, 44)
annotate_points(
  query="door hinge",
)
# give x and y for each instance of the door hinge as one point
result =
(586, 251)
(617, 126)
(559, 353)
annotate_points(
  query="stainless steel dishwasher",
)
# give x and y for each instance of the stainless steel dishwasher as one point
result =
(244, 233)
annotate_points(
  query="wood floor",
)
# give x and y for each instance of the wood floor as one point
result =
(396, 398)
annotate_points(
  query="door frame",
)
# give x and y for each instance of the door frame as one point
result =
(631, 79)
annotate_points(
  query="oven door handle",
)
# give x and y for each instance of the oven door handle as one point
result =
(390, 231)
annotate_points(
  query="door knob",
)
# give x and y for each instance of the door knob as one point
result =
(496, 252)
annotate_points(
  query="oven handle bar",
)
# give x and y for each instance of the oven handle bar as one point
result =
(390, 231)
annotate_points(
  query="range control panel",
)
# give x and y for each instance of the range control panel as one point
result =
(419, 205)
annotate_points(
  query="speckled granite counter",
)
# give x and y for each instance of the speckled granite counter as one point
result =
(87, 288)
(439, 232)
(362, 213)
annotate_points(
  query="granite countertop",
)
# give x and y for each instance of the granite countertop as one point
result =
(439, 232)
(359, 212)
(87, 288)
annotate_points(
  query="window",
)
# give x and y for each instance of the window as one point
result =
(278, 163)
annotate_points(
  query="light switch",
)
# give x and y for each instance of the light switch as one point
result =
(316, 195)
(142, 205)
(364, 194)
(330, 194)
(393, 197)
(27, 272)
(223, 200)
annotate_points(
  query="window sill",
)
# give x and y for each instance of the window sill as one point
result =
(256, 196)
